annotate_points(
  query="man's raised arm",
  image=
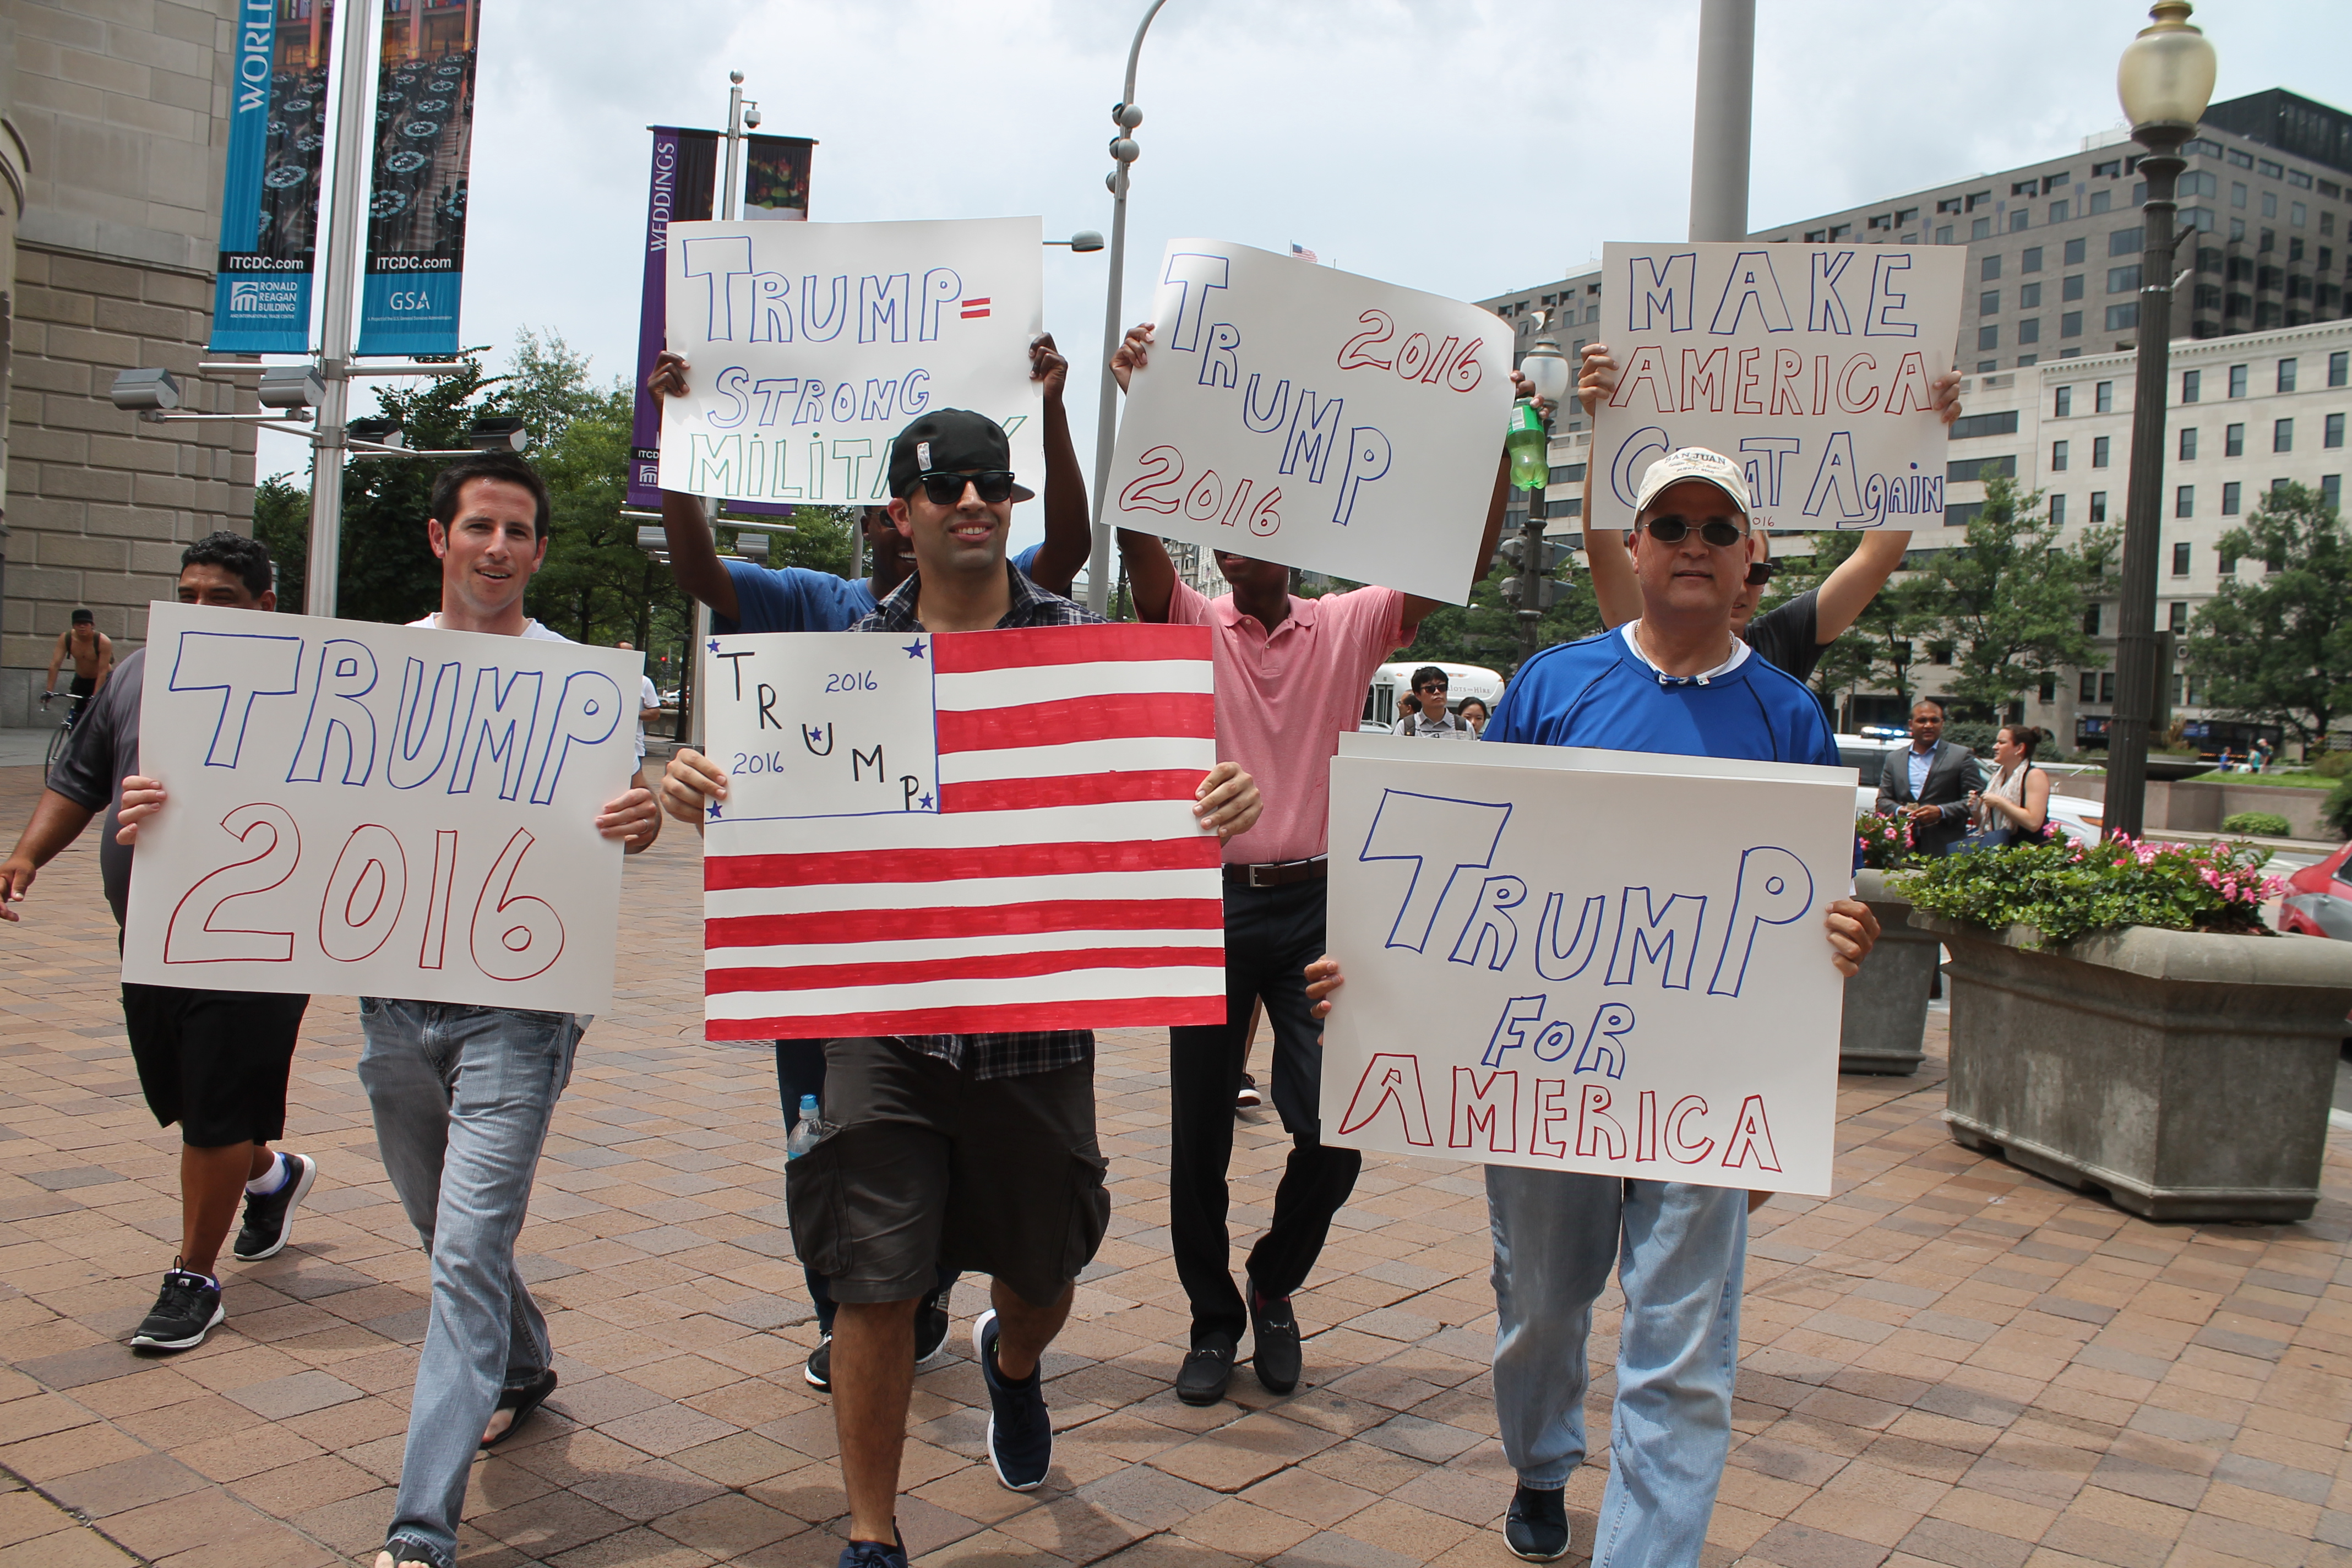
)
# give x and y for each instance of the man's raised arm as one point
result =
(693, 553)
(1069, 531)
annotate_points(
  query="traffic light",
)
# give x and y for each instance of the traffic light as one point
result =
(1515, 594)
(1514, 549)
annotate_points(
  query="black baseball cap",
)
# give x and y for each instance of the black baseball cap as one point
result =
(82, 615)
(950, 440)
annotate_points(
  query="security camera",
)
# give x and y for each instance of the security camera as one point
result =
(752, 116)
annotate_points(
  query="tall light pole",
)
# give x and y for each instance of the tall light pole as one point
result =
(353, 138)
(2165, 80)
(1124, 153)
(1721, 120)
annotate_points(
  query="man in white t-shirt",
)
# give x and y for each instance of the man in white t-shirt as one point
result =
(648, 707)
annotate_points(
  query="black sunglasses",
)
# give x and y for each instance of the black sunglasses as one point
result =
(1429, 688)
(947, 489)
(1715, 531)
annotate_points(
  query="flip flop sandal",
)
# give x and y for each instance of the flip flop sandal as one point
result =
(522, 1400)
(408, 1549)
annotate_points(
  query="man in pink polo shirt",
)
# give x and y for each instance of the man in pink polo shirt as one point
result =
(1291, 678)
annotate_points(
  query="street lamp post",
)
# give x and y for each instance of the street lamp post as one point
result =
(2165, 80)
(1547, 371)
(1123, 153)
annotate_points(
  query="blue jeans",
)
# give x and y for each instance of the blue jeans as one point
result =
(1679, 1252)
(462, 1098)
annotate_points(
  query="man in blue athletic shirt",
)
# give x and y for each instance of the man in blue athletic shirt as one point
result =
(1678, 680)
(745, 596)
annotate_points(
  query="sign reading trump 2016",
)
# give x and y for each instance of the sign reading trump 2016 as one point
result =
(1603, 962)
(1813, 365)
(812, 344)
(1293, 412)
(358, 809)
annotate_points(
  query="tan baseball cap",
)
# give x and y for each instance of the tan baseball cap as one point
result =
(1695, 463)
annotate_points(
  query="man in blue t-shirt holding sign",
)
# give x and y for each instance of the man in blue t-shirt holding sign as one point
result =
(1677, 681)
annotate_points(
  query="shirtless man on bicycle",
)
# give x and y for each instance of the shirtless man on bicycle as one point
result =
(92, 652)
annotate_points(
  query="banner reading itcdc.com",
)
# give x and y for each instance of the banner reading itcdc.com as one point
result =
(269, 199)
(417, 217)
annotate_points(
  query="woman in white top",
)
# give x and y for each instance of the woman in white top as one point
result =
(2017, 797)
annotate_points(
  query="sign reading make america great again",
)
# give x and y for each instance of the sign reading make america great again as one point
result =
(1813, 365)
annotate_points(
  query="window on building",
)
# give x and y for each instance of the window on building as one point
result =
(2233, 440)
(2030, 260)
(2071, 287)
(2106, 685)
(2227, 565)
(2295, 248)
(2191, 381)
(2180, 553)
(2049, 692)
(2189, 444)
(1948, 204)
(2076, 251)
(1908, 216)
(2100, 202)
(2209, 258)
(2123, 318)
(2057, 511)
(1959, 514)
(2286, 375)
(2177, 621)
(2123, 279)
(1981, 228)
(2269, 204)
(1969, 425)
(2025, 188)
(1984, 365)
(2331, 490)
(2019, 217)
(2113, 169)
(1943, 234)
(2238, 193)
(2029, 296)
(2090, 688)
(2184, 504)
(2098, 506)
(2229, 498)
(2061, 402)
(2327, 223)
(1989, 268)
(2331, 431)
(1988, 339)
(1989, 302)
(1841, 231)
(1979, 199)
(2268, 240)
(2069, 325)
(2029, 332)
(2099, 446)
(2125, 241)
(2237, 381)
(2025, 337)
(2208, 296)
(2091, 620)
(2237, 230)
(2103, 397)
(2281, 434)
(2058, 212)
(1967, 470)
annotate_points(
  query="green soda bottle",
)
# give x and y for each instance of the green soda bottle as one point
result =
(1526, 442)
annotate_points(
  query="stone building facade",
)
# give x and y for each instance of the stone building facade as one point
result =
(116, 116)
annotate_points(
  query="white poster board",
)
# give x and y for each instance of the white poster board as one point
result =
(812, 344)
(1298, 413)
(359, 809)
(1575, 959)
(1811, 364)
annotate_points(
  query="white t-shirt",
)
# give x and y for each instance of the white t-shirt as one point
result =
(530, 628)
(649, 697)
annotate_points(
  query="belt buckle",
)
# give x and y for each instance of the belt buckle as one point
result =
(1251, 873)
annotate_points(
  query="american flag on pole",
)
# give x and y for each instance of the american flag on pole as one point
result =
(1058, 881)
(1301, 252)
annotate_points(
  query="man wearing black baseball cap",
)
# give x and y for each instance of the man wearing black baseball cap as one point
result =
(977, 1152)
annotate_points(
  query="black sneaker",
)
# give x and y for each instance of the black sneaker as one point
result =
(1020, 1432)
(1207, 1368)
(186, 1310)
(1274, 1351)
(1247, 1097)
(931, 1328)
(819, 1369)
(270, 1221)
(1537, 1527)
(874, 1554)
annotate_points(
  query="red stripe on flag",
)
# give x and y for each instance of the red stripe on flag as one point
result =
(975, 300)
(819, 926)
(1109, 716)
(977, 966)
(1120, 1013)
(725, 872)
(970, 653)
(1066, 789)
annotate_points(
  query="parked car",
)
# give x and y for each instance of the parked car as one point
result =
(2319, 898)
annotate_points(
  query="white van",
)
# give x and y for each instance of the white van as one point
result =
(1463, 682)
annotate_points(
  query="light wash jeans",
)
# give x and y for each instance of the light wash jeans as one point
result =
(1679, 1251)
(462, 1098)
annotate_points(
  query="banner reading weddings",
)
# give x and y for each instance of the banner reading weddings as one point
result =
(1303, 414)
(269, 198)
(685, 172)
(376, 810)
(1654, 1001)
(1811, 364)
(813, 343)
(424, 143)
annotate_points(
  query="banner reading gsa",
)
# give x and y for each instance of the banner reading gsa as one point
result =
(1812, 364)
(423, 150)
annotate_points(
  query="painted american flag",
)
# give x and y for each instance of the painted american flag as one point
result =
(1061, 881)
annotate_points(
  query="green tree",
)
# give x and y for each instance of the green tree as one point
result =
(281, 521)
(2276, 646)
(1486, 631)
(1878, 650)
(2009, 599)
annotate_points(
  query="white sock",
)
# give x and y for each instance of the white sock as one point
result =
(280, 1171)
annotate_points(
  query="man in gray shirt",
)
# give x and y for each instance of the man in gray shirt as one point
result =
(216, 1062)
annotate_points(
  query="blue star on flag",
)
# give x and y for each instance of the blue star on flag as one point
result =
(927, 803)
(714, 645)
(915, 649)
(711, 811)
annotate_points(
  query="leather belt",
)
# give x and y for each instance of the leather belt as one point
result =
(1278, 873)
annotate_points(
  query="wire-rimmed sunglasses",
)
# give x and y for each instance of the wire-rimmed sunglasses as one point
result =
(943, 488)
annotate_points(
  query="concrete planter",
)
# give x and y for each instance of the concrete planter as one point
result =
(1886, 1002)
(2187, 1075)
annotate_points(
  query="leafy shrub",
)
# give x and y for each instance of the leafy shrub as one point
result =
(2332, 765)
(1885, 839)
(1975, 735)
(2260, 824)
(2064, 891)
(2338, 809)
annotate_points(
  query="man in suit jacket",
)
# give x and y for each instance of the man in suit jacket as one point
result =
(1929, 781)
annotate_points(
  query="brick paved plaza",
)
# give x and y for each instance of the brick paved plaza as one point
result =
(1949, 1363)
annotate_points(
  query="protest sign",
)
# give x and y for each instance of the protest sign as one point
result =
(1574, 960)
(1813, 365)
(381, 811)
(971, 832)
(1297, 413)
(812, 344)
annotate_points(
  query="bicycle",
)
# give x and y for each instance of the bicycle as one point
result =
(63, 736)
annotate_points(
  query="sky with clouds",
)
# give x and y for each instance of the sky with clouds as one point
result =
(1460, 146)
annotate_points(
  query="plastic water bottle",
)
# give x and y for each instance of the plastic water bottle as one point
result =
(1525, 441)
(805, 1131)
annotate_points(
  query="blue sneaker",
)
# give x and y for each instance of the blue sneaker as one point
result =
(874, 1554)
(1020, 1433)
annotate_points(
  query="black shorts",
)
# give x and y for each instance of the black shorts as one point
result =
(81, 686)
(923, 1168)
(214, 1061)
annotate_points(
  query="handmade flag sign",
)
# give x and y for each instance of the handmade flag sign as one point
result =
(964, 833)
(1811, 365)
(1657, 1000)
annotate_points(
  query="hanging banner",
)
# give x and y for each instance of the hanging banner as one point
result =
(776, 177)
(812, 345)
(416, 213)
(1813, 365)
(269, 199)
(686, 169)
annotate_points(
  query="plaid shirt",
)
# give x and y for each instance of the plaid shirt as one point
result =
(1031, 1051)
